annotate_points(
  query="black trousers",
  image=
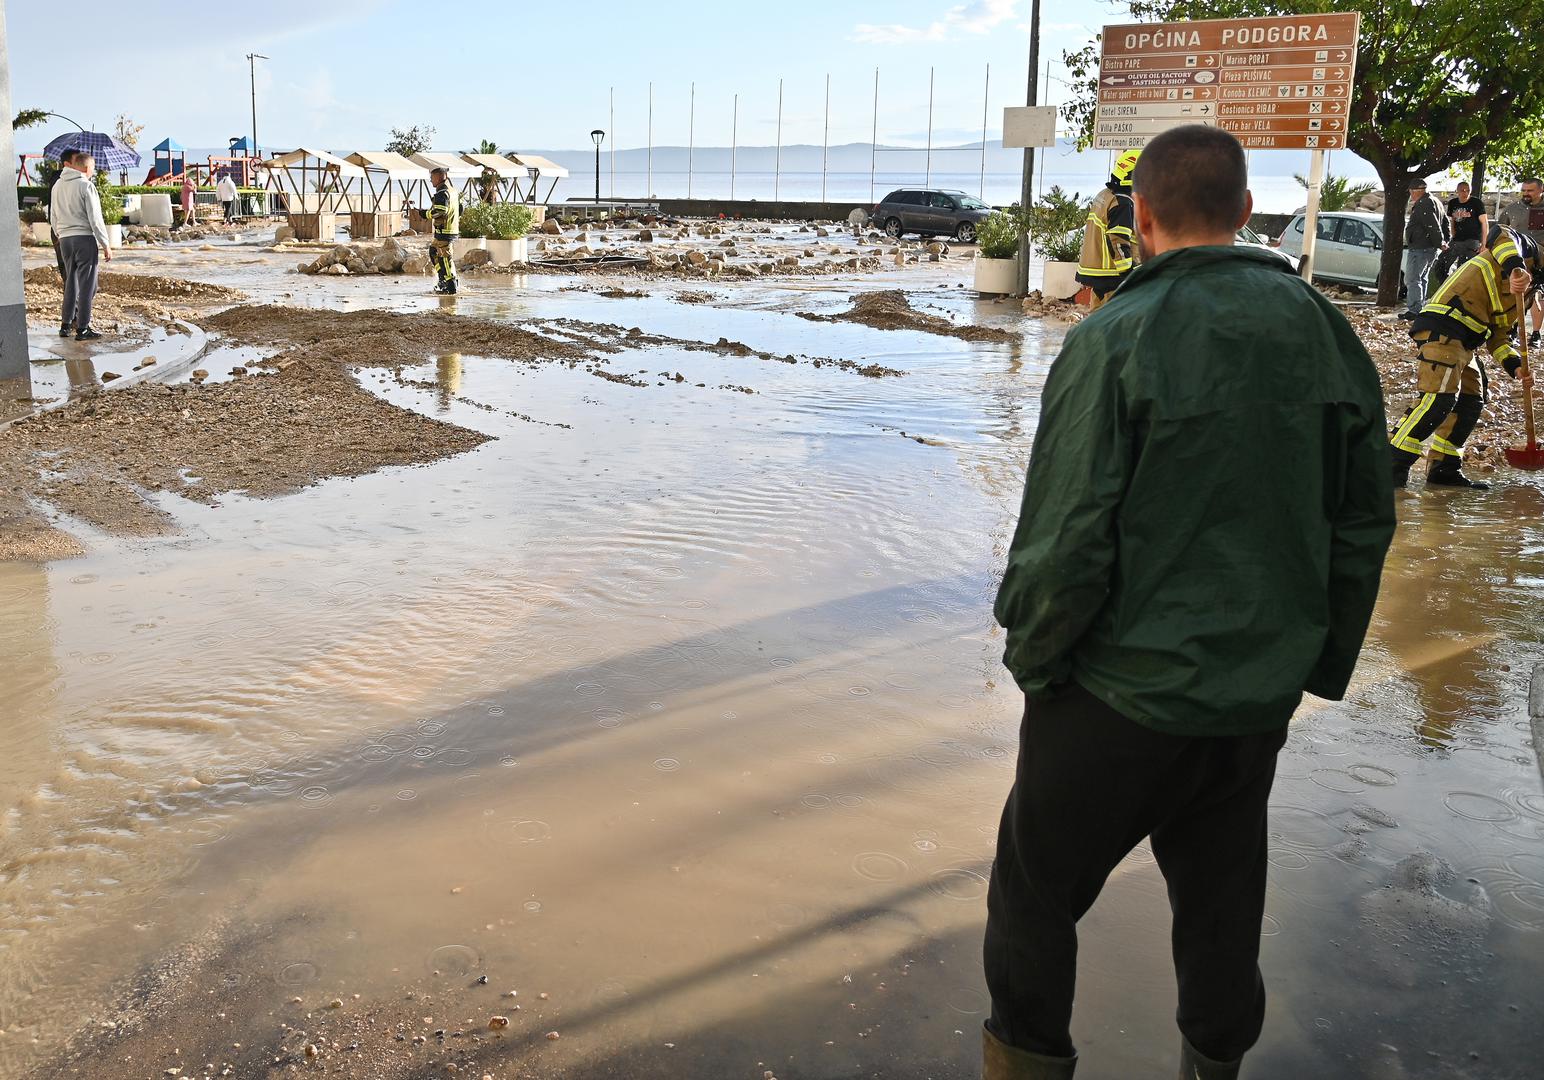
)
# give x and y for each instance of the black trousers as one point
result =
(1090, 785)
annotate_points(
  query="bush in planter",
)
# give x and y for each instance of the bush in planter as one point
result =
(1055, 225)
(997, 236)
(507, 221)
(107, 195)
(474, 221)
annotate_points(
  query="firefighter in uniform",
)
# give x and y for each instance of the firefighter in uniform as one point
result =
(445, 219)
(1476, 306)
(1109, 238)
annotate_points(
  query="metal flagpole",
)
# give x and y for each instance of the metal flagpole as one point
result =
(1027, 188)
(928, 182)
(1040, 176)
(874, 137)
(985, 96)
(734, 142)
(613, 192)
(825, 139)
(777, 160)
(691, 139)
(650, 167)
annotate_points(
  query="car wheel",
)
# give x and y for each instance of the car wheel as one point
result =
(966, 233)
(893, 227)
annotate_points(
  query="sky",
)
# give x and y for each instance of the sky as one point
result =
(342, 73)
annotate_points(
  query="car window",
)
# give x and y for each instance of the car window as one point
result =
(1246, 235)
(1297, 225)
(1354, 232)
(1324, 228)
(968, 202)
(893, 197)
(942, 201)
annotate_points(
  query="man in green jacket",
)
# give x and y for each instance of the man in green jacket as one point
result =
(1204, 523)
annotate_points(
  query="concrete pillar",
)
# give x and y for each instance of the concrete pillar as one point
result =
(15, 373)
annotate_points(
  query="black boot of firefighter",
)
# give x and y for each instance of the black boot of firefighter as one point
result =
(1403, 459)
(1194, 1065)
(1445, 473)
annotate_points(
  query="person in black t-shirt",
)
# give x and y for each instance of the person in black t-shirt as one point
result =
(1467, 213)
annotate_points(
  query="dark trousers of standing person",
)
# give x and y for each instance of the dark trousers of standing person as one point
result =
(1090, 786)
(1455, 255)
(79, 254)
(229, 209)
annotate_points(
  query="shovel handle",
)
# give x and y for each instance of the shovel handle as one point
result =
(1522, 373)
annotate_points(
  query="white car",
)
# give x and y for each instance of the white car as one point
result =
(1349, 249)
(1247, 237)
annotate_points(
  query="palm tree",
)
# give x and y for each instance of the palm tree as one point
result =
(488, 182)
(1337, 192)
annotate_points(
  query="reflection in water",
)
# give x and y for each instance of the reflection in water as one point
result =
(447, 379)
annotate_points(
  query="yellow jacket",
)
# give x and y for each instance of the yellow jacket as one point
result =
(1475, 306)
(1109, 240)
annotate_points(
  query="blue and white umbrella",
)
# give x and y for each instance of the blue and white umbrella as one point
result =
(108, 151)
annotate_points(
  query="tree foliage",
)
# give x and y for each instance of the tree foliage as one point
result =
(1437, 83)
(410, 141)
(1338, 192)
(29, 118)
(126, 131)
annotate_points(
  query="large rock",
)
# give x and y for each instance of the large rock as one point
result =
(477, 257)
(696, 258)
(552, 227)
(415, 264)
(645, 235)
(283, 233)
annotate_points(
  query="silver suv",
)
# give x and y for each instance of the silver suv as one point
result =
(930, 212)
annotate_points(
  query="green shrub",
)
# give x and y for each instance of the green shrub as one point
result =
(474, 220)
(997, 236)
(35, 214)
(107, 195)
(1055, 225)
(509, 221)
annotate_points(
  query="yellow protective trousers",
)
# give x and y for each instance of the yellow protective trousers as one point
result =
(1450, 385)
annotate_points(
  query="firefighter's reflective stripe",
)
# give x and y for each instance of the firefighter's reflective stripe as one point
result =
(1402, 438)
(445, 212)
(1473, 306)
(1442, 446)
(1106, 249)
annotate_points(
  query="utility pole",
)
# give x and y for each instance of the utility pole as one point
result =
(15, 367)
(1027, 189)
(252, 59)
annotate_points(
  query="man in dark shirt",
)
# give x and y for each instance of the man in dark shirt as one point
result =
(1466, 213)
(1204, 523)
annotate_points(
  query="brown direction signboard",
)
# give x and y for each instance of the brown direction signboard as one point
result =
(1277, 83)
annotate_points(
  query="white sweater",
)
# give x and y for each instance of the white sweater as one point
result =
(225, 190)
(74, 209)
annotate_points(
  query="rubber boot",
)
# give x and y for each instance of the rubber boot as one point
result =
(1444, 473)
(999, 1061)
(1403, 459)
(1194, 1065)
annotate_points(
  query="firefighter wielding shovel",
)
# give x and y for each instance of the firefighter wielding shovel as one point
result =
(1530, 457)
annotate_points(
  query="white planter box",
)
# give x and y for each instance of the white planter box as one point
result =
(1061, 281)
(40, 232)
(998, 276)
(155, 210)
(115, 236)
(462, 244)
(505, 252)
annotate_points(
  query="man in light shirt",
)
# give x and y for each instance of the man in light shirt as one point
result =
(75, 212)
(226, 192)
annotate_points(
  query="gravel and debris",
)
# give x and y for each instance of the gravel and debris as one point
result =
(889, 309)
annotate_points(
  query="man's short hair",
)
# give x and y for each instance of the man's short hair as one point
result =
(1195, 180)
(436, 171)
(1418, 184)
(1462, 183)
(1534, 180)
(69, 157)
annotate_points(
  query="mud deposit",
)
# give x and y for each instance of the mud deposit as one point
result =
(890, 310)
(124, 298)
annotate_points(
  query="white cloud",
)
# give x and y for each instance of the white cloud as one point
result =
(977, 17)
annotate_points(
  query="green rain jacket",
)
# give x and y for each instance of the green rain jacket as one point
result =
(1208, 501)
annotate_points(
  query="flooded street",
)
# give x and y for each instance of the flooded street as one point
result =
(678, 711)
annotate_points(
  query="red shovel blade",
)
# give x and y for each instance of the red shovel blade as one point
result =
(1530, 457)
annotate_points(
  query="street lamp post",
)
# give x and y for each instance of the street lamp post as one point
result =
(252, 59)
(599, 137)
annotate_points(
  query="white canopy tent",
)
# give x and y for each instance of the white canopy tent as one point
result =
(535, 168)
(310, 180)
(383, 169)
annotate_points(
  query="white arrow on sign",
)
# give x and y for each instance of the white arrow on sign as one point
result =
(1340, 57)
(1111, 80)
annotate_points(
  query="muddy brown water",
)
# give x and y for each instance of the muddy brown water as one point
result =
(690, 717)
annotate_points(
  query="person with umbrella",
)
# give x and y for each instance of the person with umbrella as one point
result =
(75, 213)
